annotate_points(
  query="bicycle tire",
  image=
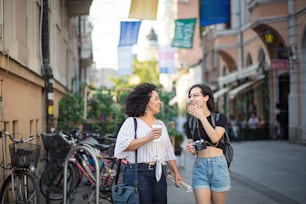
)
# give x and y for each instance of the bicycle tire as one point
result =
(24, 193)
(52, 181)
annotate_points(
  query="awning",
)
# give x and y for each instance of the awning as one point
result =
(220, 92)
(242, 88)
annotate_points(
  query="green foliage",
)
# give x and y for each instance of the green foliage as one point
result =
(70, 112)
(147, 71)
(105, 109)
(168, 113)
(105, 115)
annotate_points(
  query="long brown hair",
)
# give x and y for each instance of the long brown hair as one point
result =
(206, 90)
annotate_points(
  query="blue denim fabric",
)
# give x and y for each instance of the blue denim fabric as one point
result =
(150, 191)
(211, 173)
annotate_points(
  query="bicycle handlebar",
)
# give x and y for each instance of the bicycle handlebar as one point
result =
(16, 141)
(69, 139)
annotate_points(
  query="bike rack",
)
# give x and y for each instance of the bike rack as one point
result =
(90, 151)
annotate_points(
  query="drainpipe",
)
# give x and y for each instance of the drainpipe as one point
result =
(294, 113)
(47, 69)
(240, 38)
(79, 83)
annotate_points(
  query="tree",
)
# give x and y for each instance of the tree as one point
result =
(146, 71)
(70, 112)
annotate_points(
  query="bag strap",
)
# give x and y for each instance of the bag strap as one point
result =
(217, 116)
(136, 165)
(192, 125)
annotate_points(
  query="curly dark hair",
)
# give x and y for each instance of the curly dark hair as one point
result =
(136, 102)
(206, 90)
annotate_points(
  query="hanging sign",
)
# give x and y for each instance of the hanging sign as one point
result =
(279, 64)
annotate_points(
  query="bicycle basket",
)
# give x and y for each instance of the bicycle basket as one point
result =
(24, 155)
(56, 146)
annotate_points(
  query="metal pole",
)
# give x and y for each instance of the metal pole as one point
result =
(2, 126)
(90, 151)
(240, 39)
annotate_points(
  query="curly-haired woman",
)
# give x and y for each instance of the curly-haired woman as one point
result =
(153, 145)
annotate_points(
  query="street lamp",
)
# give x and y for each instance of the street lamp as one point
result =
(269, 37)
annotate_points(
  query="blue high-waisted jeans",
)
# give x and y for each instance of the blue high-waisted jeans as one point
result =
(150, 191)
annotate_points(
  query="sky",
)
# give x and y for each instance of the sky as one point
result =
(105, 16)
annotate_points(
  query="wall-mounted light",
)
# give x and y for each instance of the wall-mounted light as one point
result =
(269, 37)
(292, 52)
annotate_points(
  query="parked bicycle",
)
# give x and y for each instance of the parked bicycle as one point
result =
(51, 181)
(83, 165)
(20, 186)
(110, 167)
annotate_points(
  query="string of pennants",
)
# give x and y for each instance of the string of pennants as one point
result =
(211, 12)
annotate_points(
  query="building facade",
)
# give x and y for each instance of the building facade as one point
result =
(255, 61)
(42, 57)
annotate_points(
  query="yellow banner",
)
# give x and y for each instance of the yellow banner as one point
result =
(143, 9)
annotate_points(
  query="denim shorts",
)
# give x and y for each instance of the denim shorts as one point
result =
(211, 173)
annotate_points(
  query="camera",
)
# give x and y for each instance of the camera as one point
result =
(199, 145)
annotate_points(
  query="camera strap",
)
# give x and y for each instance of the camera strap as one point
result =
(198, 128)
(197, 124)
(194, 124)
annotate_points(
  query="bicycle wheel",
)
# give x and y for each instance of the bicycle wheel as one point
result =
(52, 181)
(20, 187)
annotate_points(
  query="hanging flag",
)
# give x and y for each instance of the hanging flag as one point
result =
(125, 60)
(184, 30)
(166, 60)
(143, 9)
(214, 12)
(129, 32)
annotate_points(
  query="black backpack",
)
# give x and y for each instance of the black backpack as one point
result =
(224, 142)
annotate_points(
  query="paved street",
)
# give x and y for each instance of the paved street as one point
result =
(263, 172)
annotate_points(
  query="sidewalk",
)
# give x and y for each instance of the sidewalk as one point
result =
(271, 172)
(263, 172)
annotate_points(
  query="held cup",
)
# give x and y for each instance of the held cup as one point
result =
(157, 126)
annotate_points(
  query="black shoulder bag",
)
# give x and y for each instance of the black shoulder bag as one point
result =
(122, 193)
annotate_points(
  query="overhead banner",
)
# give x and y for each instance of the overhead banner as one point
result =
(214, 12)
(184, 30)
(125, 60)
(143, 9)
(129, 32)
(166, 60)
